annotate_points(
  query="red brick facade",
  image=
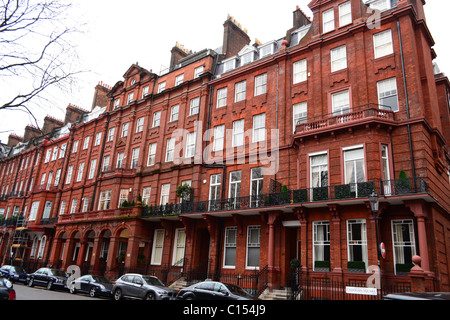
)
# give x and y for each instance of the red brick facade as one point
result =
(342, 114)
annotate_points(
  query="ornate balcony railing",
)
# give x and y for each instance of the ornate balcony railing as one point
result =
(354, 115)
(350, 191)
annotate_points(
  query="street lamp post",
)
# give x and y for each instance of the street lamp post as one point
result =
(374, 206)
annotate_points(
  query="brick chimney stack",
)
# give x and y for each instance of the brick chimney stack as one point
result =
(31, 132)
(177, 54)
(14, 139)
(51, 123)
(234, 38)
(101, 95)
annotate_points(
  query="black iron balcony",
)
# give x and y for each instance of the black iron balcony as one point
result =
(361, 190)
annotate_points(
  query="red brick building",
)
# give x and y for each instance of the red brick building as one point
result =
(281, 145)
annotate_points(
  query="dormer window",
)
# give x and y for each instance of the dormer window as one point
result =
(133, 81)
(229, 65)
(116, 103)
(247, 58)
(267, 50)
(381, 5)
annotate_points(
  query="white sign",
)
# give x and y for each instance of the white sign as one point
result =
(362, 290)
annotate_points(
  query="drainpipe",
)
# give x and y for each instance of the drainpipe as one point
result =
(407, 105)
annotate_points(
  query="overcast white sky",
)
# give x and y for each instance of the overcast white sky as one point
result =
(120, 33)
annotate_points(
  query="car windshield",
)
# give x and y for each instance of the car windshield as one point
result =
(153, 281)
(100, 279)
(237, 290)
(58, 273)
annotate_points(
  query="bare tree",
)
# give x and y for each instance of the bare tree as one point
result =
(36, 51)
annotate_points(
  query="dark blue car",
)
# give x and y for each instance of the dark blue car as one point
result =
(14, 274)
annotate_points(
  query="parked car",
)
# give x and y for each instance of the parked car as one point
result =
(418, 296)
(92, 284)
(47, 277)
(13, 273)
(136, 286)
(212, 290)
(7, 291)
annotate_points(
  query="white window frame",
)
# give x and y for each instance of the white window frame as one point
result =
(353, 243)
(387, 88)
(73, 207)
(198, 71)
(253, 245)
(194, 106)
(69, 174)
(170, 149)
(120, 158)
(98, 138)
(62, 208)
(238, 133)
(259, 128)
(179, 79)
(345, 13)
(135, 158)
(111, 133)
(140, 125)
(174, 110)
(80, 172)
(105, 164)
(240, 91)
(317, 242)
(338, 105)
(86, 142)
(328, 20)
(75, 146)
(299, 113)
(351, 159)
(260, 84)
(300, 70)
(219, 138)
(125, 130)
(383, 44)
(190, 144)
(146, 193)
(92, 168)
(161, 86)
(338, 58)
(399, 244)
(123, 196)
(222, 97)
(165, 194)
(156, 119)
(179, 247)
(151, 154)
(104, 202)
(230, 243)
(158, 247)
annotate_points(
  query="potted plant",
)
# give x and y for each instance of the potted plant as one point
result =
(184, 192)
(356, 266)
(322, 265)
(295, 264)
(403, 185)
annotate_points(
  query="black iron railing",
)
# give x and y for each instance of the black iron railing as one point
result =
(359, 190)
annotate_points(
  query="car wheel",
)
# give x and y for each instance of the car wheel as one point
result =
(31, 282)
(118, 294)
(72, 289)
(49, 285)
(150, 296)
(92, 292)
(189, 298)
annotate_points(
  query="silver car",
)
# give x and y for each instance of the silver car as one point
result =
(136, 286)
